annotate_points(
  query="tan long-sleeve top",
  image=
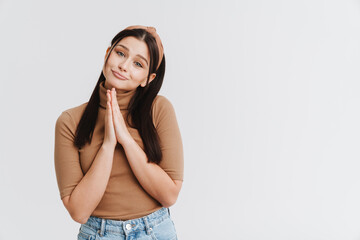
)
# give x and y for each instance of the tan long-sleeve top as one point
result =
(124, 197)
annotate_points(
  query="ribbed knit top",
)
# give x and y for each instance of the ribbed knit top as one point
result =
(123, 97)
(124, 197)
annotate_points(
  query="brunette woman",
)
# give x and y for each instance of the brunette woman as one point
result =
(119, 157)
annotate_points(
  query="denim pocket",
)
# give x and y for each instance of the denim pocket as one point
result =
(86, 233)
(165, 230)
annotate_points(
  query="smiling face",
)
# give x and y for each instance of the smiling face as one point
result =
(128, 65)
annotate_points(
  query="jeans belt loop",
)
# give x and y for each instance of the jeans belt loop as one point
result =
(102, 228)
(148, 228)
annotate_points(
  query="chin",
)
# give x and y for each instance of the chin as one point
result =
(113, 83)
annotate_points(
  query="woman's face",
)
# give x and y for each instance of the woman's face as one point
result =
(128, 65)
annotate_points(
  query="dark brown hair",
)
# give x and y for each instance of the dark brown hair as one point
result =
(139, 108)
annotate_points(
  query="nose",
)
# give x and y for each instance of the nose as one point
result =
(123, 65)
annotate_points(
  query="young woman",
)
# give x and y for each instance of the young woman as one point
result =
(119, 157)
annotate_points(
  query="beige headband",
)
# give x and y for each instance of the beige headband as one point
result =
(153, 32)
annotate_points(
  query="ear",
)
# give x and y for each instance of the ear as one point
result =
(152, 76)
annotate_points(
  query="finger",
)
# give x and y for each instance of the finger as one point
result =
(108, 95)
(113, 97)
(110, 114)
(115, 104)
(108, 107)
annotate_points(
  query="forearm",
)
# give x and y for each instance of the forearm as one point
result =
(88, 193)
(151, 176)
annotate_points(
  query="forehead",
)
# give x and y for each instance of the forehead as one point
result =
(135, 46)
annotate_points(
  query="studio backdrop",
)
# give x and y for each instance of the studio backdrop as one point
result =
(266, 94)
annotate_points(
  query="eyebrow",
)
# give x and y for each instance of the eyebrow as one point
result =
(136, 55)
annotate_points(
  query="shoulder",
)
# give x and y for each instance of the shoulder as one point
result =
(162, 110)
(161, 102)
(71, 116)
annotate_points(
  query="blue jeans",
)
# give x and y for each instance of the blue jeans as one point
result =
(155, 226)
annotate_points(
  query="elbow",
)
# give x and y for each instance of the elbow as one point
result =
(79, 218)
(81, 221)
(169, 202)
(74, 212)
(167, 205)
(172, 195)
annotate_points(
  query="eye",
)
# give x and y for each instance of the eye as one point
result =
(121, 53)
(138, 64)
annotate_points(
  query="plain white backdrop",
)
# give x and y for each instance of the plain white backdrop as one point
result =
(266, 93)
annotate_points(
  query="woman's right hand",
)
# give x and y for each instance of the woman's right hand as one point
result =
(109, 135)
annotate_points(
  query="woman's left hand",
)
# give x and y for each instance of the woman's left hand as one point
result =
(121, 131)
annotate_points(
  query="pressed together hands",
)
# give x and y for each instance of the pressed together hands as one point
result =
(115, 127)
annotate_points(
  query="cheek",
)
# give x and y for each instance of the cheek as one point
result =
(139, 75)
(112, 61)
(106, 70)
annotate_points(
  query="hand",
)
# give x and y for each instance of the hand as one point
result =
(121, 131)
(109, 135)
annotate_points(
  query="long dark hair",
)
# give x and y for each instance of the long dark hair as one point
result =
(139, 108)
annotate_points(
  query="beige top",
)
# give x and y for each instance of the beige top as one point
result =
(124, 197)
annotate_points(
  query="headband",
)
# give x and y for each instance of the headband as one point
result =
(153, 32)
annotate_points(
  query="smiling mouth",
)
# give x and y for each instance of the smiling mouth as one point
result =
(117, 75)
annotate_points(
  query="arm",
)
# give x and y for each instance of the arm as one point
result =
(88, 193)
(81, 194)
(157, 180)
(152, 177)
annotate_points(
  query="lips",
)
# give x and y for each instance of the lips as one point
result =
(118, 75)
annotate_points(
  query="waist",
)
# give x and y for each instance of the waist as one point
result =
(120, 227)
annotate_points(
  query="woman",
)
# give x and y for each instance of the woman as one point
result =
(119, 157)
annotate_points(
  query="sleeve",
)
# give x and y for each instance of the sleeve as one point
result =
(166, 124)
(66, 155)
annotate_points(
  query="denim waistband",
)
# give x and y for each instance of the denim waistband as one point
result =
(146, 223)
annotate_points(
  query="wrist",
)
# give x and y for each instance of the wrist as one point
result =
(127, 141)
(108, 146)
(124, 138)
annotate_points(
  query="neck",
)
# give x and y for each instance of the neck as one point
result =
(123, 96)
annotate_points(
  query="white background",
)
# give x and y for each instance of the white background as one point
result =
(266, 94)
